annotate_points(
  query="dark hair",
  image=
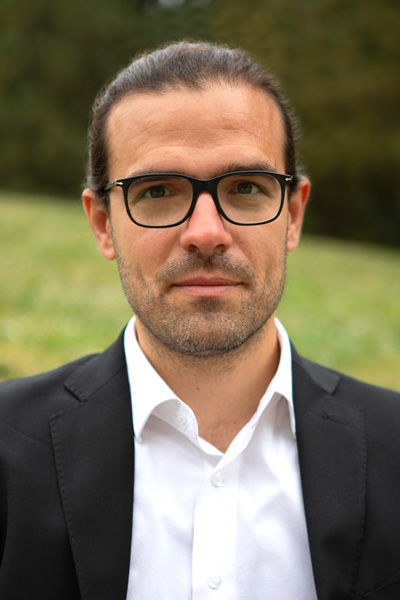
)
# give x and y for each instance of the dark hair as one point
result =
(185, 64)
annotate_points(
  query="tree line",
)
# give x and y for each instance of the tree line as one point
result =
(337, 61)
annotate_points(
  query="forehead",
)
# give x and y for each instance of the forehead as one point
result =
(198, 133)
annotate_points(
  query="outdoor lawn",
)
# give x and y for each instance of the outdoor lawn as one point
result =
(61, 299)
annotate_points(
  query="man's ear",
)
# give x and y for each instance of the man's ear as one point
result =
(297, 205)
(99, 222)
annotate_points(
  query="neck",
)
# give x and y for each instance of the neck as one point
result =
(223, 391)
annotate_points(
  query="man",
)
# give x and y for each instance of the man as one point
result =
(248, 472)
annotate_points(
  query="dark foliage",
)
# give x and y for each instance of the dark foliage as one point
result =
(338, 62)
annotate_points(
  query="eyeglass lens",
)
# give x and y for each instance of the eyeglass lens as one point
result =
(166, 200)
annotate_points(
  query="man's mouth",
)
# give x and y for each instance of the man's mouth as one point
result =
(207, 285)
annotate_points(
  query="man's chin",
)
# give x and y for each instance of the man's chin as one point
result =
(207, 335)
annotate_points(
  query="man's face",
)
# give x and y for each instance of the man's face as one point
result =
(207, 286)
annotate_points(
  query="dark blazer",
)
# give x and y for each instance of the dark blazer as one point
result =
(67, 472)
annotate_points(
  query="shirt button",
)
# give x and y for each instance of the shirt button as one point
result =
(218, 479)
(214, 582)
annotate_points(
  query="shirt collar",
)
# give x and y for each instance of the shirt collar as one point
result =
(282, 384)
(150, 393)
(148, 389)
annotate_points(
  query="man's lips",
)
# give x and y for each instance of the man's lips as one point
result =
(207, 286)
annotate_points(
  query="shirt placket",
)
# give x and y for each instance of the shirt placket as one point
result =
(215, 535)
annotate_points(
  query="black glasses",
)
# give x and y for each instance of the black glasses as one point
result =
(166, 199)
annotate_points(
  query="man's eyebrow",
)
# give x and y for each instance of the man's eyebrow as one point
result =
(258, 166)
(156, 171)
(229, 168)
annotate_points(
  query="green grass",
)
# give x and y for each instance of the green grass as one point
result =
(60, 299)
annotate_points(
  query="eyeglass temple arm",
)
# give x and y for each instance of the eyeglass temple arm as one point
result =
(112, 184)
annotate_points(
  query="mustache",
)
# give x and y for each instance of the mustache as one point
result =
(218, 261)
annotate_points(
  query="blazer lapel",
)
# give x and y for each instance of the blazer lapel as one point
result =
(332, 457)
(94, 452)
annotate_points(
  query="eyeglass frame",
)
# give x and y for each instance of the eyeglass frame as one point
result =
(198, 186)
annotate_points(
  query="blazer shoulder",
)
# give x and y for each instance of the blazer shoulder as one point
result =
(28, 400)
(344, 387)
(41, 382)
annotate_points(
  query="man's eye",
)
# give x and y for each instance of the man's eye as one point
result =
(246, 187)
(157, 191)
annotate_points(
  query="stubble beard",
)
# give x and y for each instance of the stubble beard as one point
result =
(205, 327)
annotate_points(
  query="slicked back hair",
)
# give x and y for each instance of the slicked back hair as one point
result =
(177, 66)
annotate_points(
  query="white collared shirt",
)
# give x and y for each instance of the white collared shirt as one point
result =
(208, 525)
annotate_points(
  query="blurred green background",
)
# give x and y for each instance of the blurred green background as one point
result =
(61, 299)
(338, 61)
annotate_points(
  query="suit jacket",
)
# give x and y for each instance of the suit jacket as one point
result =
(67, 474)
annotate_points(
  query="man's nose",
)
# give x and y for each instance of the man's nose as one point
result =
(205, 230)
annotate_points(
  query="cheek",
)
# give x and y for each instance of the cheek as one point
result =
(265, 247)
(148, 250)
